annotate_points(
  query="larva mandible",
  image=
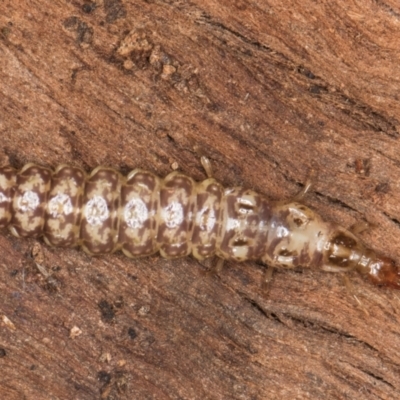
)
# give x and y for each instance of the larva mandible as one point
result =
(142, 214)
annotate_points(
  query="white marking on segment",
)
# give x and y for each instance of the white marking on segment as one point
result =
(28, 202)
(206, 219)
(282, 231)
(60, 205)
(4, 198)
(173, 214)
(232, 223)
(96, 211)
(136, 213)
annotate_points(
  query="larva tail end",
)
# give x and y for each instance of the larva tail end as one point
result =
(383, 271)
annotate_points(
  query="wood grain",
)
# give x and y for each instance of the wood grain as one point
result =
(268, 90)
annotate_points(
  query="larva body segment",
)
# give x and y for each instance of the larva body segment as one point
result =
(140, 202)
(176, 215)
(30, 200)
(99, 223)
(142, 214)
(7, 187)
(64, 207)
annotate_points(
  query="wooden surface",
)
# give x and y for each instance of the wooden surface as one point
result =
(268, 90)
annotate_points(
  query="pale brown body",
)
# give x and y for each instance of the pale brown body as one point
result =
(142, 214)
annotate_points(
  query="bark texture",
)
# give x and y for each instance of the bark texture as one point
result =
(269, 91)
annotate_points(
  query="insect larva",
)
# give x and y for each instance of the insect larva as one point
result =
(142, 214)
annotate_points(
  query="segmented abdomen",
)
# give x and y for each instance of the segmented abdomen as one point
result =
(139, 214)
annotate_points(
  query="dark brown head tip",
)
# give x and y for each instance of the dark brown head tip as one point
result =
(383, 271)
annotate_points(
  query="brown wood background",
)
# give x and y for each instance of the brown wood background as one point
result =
(267, 90)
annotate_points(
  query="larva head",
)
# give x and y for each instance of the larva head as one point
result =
(346, 252)
(383, 271)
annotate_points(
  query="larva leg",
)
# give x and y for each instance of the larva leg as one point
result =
(219, 266)
(307, 186)
(216, 267)
(206, 163)
(360, 227)
(269, 272)
(346, 282)
(349, 286)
